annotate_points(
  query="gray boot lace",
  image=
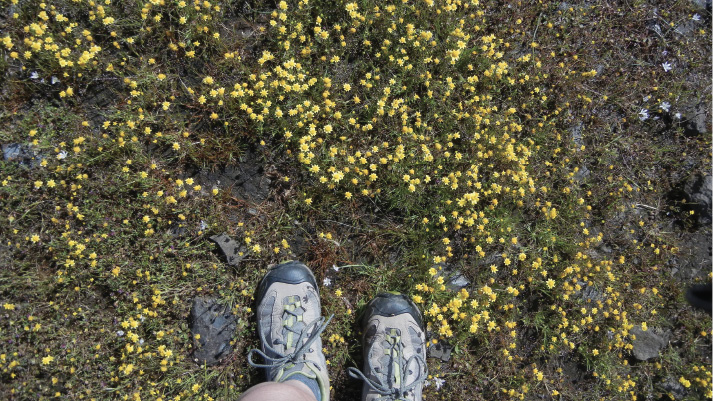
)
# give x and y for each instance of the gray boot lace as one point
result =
(395, 387)
(310, 332)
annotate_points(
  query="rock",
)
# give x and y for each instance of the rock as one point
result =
(573, 371)
(687, 28)
(698, 192)
(239, 27)
(299, 246)
(177, 231)
(215, 324)
(600, 69)
(457, 281)
(564, 6)
(22, 154)
(582, 174)
(454, 278)
(245, 180)
(671, 386)
(605, 248)
(98, 99)
(491, 259)
(441, 350)
(589, 293)
(701, 5)
(693, 259)
(694, 119)
(231, 250)
(653, 27)
(648, 344)
(576, 133)
(699, 296)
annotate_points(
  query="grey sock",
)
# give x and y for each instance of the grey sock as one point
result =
(311, 383)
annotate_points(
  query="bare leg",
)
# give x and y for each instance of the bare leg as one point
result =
(274, 391)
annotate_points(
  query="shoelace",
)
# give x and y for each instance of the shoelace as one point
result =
(314, 328)
(389, 390)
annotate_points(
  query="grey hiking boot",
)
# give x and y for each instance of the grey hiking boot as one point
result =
(394, 350)
(289, 323)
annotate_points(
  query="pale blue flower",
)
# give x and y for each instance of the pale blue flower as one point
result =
(643, 115)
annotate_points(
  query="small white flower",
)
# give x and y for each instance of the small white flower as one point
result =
(643, 114)
(439, 383)
(55, 80)
(336, 268)
(646, 98)
(120, 333)
(141, 341)
(62, 155)
(327, 282)
(34, 75)
(678, 116)
(665, 106)
(696, 17)
(667, 66)
(204, 225)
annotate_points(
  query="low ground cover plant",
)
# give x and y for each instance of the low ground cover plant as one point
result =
(519, 170)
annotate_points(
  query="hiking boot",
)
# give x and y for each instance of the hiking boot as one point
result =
(394, 350)
(289, 324)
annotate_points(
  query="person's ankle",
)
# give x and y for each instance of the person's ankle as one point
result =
(311, 384)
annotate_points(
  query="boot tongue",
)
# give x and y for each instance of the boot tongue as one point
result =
(389, 369)
(293, 322)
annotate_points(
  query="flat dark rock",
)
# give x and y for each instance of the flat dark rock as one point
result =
(216, 324)
(441, 350)
(454, 279)
(698, 191)
(245, 180)
(648, 344)
(695, 121)
(589, 293)
(457, 281)
(672, 386)
(230, 249)
(22, 154)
